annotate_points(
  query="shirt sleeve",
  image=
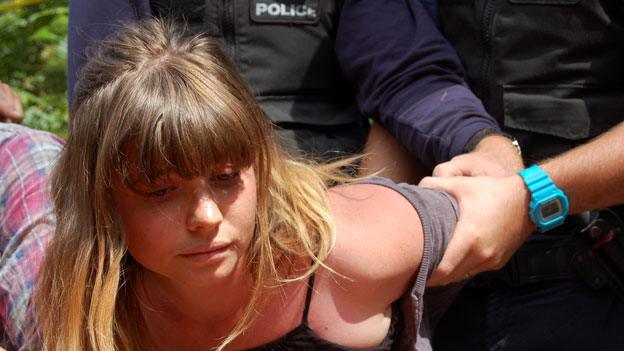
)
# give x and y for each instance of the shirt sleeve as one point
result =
(91, 21)
(438, 213)
(27, 221)
(407, 77)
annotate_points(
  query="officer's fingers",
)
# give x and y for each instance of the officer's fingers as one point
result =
(436, 182)
(441, 170)
(448, 169)
(454, 186)
(455, 263)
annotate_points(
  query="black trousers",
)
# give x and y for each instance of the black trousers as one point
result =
(561, 315)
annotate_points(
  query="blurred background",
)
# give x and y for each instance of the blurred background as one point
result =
(33, 57)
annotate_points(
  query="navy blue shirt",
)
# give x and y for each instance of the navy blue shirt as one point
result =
(403, 71)
(91, 21)
(408, 77)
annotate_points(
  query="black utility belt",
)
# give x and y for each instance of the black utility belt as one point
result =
(535, 262)
(593, 252)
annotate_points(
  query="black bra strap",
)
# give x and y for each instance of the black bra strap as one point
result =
(306, 307)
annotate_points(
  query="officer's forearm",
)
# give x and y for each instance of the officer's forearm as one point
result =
(592, 175)
(408, 77)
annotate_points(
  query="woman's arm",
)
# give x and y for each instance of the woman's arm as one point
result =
(379, 242)
(375, 259)
(389, 232)
(390, 238)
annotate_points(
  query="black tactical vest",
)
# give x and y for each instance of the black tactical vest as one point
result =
(284, 49)
(550, 71)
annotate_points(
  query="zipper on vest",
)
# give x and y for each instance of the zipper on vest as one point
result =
(228, 28)
(486, 34)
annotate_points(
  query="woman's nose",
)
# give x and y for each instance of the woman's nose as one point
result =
(204, 215)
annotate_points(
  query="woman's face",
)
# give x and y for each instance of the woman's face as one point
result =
(190, 231)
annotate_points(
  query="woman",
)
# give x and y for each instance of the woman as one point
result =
(182, 225)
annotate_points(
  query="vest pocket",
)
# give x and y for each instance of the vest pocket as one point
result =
(573, 112)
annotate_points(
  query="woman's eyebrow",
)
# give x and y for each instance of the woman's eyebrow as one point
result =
(133, 181)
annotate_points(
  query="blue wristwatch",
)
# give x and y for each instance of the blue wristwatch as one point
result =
(549, 205)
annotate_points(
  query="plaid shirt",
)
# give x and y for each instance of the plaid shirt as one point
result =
(26, 219)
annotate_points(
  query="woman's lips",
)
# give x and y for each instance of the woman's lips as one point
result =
(204, 254)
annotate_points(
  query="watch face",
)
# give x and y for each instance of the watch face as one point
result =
(551, 209)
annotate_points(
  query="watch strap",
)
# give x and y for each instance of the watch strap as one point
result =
(543, 190)
(472, 143)
(535, 179)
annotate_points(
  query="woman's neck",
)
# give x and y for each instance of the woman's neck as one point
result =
(198, 318)
(177, 313)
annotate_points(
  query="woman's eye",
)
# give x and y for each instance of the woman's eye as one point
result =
(159, 193)
(226, 176)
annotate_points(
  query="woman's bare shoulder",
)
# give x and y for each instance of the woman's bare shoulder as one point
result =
(379, 237)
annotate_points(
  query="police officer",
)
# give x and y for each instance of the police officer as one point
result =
(550, 71)
(559, 290)
(285, 50)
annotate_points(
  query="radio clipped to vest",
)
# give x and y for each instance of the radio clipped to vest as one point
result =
(601, 262)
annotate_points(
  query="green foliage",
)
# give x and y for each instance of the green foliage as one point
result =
(33, 56)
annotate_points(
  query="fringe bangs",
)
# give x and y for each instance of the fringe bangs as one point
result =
(173, 120)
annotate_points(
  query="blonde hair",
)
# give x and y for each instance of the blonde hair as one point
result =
(174, 97)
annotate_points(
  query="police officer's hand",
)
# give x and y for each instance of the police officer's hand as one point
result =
(493, 223)
(494, 156)
(10, 105)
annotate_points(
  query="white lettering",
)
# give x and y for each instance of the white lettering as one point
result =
(284, 10)
(301, 10)
(260, 9)
(274, 9)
